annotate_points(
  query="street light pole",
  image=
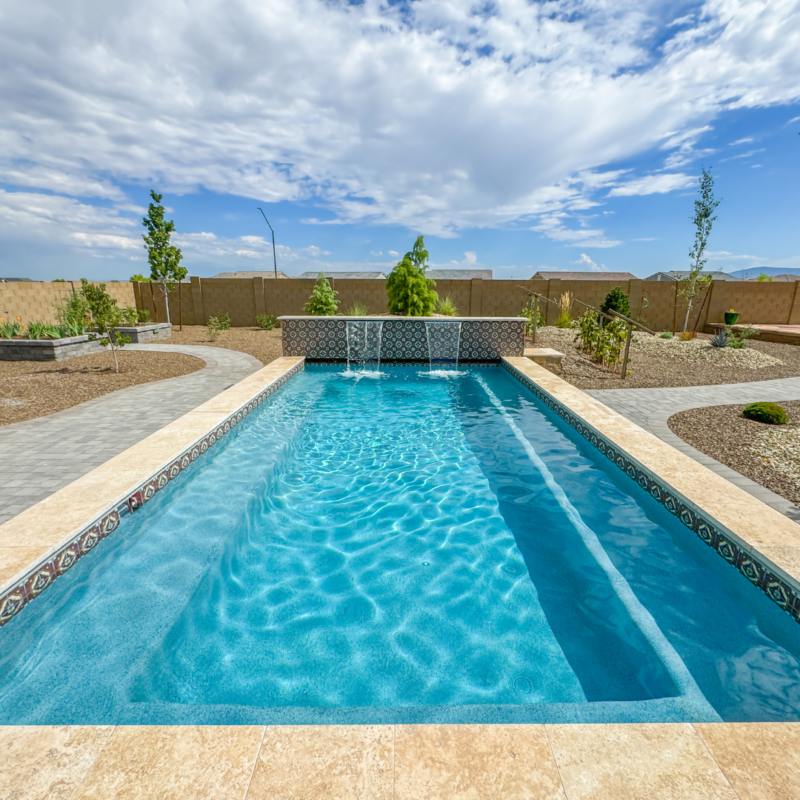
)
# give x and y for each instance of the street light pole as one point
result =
(274, 257)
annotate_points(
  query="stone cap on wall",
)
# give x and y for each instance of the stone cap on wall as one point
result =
(386, 317)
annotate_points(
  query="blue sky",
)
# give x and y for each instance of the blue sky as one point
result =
(515, 135)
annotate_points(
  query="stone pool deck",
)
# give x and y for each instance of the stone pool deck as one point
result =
(403, 762)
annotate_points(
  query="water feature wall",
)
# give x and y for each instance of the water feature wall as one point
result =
(404, 339)
(444, 342)
(364, 344)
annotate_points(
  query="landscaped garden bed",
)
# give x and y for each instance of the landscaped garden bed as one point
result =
(46, 349)
(29, 390)
(767, 454)
(659, 362)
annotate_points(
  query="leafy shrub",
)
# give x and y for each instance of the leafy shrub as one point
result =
(221, 322)
(358, 310)
(8, 330)
(531, 312)
(73, 311)
(720, 339)
(54, 331)
(771, 413)
(129, 316)
(143, 315)
(588, 331)
(323, 302)
(665, 335)
(140, 279)
(267, 322)
(35, 330)
(446, 307)
(603, 344)
(106, 317)
(616, 300)
(409, 291)
(739, 336)
(686, 336)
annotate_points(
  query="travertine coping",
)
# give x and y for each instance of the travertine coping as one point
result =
(729, 761)
(768, 535)
(29, 539)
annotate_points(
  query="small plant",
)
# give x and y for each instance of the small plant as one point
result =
(267, 322)
(739, 336)
(720, 339)
(8, 330)
(603, 344)
(73, 311)
(446, 307)
(588, 331)
(564, 305)
(665, 335)
(770, 413)
(143, 316)
(129, 316)
(323, 302)
(35, 330)
(106, 317)
(358, 310)
(686, 336)
(221, 322)
(531, 312)
(616, 300)
(53, 331)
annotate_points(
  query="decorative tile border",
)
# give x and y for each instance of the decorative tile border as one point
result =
(402, 338)
(706, 528)
(42, 575)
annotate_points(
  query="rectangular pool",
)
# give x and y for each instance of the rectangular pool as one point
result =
(413, 547)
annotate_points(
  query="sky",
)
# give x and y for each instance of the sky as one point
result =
(514, 135)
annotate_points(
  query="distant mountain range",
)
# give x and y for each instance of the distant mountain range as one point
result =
(754, 272)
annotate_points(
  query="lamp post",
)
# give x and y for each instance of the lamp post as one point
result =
(274, 257)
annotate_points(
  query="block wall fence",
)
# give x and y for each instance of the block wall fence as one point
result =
(657, 303)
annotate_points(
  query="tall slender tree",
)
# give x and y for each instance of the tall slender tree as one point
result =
(164, 258)
(409, 291)
(703, 220)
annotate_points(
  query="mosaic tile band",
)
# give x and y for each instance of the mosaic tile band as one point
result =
(14, 599)
(709, 531)
(325, 338)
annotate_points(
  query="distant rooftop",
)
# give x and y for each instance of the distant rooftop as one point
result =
(548, 275)
(459, 274)
(680, 274)
(267, 273)
(345, 275)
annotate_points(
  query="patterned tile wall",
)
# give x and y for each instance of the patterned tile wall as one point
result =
(15, 598)
(708, 529)
(325, 339)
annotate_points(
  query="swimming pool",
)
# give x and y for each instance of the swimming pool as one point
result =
(408, 548)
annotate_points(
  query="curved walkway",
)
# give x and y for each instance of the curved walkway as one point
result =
(651, 408)
(42, 455)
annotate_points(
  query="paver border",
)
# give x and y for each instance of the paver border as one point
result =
(24, 587)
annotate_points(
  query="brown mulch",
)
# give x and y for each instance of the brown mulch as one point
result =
(648, 370)
(30, 389)
(724, 434)
(264, 345)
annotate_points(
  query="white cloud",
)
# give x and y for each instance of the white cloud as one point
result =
(586, 262)
(653, 184)
(746, 140)
(434, 115)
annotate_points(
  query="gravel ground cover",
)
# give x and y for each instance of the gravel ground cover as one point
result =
(656, 362)
(31, 389)
(767, 454)
(264, 345)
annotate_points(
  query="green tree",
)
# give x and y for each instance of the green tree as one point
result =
(703, 221)
(137, 278)
(762, 278)
(163, 257)
(323, 302)
(410, 292)
(106, 317)
(616, 300)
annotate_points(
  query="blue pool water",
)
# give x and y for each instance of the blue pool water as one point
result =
(408, 548)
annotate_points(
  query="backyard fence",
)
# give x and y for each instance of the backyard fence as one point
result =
(655, 303)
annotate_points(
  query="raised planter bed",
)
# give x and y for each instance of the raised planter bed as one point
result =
(148, 333)
(47, 349)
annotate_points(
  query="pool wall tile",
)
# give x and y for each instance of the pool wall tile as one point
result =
(781, 585)
(404, 339)
(39, 575)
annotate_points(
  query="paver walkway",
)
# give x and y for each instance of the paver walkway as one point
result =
(651, 408)
(40, 456)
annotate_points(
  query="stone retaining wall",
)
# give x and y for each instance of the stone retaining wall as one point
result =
(47, 349)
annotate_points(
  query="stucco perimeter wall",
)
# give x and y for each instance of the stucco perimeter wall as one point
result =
(35, 302)
(656, 303)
